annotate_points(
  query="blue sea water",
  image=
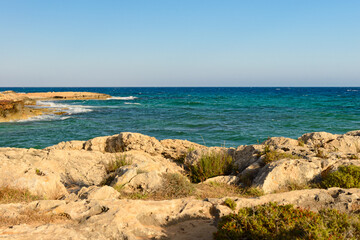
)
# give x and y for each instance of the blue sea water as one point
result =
(211, 116)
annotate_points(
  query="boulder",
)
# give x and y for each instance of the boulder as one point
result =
(279, 174)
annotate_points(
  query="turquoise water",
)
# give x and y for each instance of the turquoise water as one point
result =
(210, 116)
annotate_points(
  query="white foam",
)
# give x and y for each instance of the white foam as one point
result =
(132, 103)
(68, 108)
(44, 117)
(352, 90)
(122, 98)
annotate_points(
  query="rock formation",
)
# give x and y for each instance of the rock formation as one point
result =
(80, 179)
(17, 106)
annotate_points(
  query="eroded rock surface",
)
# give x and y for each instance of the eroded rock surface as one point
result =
(85, 174)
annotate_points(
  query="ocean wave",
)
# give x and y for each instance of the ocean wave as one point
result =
(122, 98)
(68, 108)
(44, 117)
(132, 103)
(352, 90)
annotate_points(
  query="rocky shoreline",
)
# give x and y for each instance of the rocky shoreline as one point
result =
(117, 187)
(20, 106)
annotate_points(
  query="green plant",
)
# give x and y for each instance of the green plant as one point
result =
(274, 155)
(344, 177)
(39, 172)
(273, 221)
(119, 162)
(210, 165)
(230, 203)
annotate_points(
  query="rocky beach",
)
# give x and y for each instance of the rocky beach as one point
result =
(133, 186)
(20, 106)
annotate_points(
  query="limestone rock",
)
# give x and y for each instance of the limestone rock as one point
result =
(136, 219)
(98, 193)
(280, 174)
(223, 179)
(176, 149)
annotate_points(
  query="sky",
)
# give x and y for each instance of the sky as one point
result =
(240, 43)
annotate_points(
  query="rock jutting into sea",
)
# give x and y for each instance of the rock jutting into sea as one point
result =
(19, 106)
(133, 186)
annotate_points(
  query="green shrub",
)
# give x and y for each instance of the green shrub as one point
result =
(273, 221)
(117, 163)
(230, 203)
(274, 155)
(344, 177)
(211, 165)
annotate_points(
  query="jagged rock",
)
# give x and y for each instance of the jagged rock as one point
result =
(176, 149)
(245, 155)
(136, 219)
(70, 145)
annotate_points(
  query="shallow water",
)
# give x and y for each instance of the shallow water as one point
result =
(210, 116)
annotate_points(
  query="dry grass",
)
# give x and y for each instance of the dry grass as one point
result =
(11, 195)
(119, 162)
(292, 186)
(32, 217)
(178, 186)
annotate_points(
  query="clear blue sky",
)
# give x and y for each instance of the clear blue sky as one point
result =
(179, 43)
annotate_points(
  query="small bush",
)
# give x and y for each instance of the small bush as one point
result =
(217, 190)
(211, 165)
(117, 163)
(12, 195)
(230, 203)
(273, 221)
(344, 177)
(175, 185)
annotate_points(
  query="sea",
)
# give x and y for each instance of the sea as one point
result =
(212, 116)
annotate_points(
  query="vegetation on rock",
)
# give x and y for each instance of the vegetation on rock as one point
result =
(11, 195)
(273, 155)
(273, 221)
(211, 165)
(344, 177)
(230, 203)
(117, 163)
(175, 186)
